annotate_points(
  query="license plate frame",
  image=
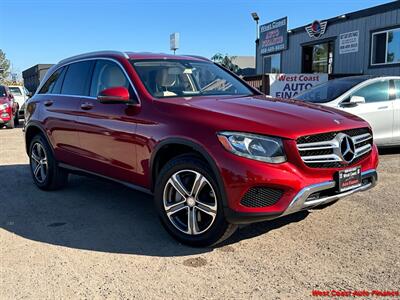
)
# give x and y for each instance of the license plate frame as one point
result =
(349, 179)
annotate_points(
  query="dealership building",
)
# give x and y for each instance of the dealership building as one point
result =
(361, 42)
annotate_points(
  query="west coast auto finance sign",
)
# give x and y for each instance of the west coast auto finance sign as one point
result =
(273, 36)
(290, 85)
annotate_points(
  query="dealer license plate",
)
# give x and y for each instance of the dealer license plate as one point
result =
(349, 179)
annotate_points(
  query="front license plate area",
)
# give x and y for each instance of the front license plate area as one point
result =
(349, 179)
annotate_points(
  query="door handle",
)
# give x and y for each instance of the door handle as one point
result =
(87, 106)
(48, 103)
(383, 107)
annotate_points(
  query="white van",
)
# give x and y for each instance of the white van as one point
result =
(21, 94)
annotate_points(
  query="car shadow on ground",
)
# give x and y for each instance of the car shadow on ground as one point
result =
(98, 215)
(389, 150)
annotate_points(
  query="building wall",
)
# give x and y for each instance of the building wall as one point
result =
(350, 63)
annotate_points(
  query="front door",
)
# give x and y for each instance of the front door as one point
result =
(107, 131)
(377, 110)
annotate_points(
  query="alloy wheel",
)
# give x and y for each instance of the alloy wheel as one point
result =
(39, 163)
(190, 202)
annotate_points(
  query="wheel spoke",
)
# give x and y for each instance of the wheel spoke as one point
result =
(198, 184)
(35, 157)
(193, 227)
(37, 169)
(206, 208)
(174, 208)
(38, 150)
(176, 182)
(42, 172)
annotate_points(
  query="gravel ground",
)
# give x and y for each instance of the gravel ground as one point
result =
(97, 239)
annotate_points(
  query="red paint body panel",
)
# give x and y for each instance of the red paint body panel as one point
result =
(11, 110)
(118, 140)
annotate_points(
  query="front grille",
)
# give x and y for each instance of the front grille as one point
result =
(261, 197)
(325, 150)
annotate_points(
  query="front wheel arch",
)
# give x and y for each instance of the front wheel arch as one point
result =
(197, 149)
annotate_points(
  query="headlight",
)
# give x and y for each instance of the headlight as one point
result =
(4, 106)
(258, 147)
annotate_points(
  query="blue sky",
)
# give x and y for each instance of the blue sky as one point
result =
(45, 31)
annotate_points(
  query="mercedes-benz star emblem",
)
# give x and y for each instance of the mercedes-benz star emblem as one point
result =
(347, 149)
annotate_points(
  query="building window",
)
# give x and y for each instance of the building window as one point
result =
(385, 47)
(272, 63)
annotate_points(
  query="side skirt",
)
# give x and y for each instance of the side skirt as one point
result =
(85, 172)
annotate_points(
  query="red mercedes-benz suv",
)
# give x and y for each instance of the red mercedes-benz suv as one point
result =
(212, 150)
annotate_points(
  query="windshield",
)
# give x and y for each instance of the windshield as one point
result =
(329, 90)
(187, 78)
(2, 91)
(15, 91)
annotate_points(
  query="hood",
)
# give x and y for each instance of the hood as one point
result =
(278, 117)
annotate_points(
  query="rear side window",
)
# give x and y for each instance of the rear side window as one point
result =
(58, 84)
(375, 92)
(77, 77)
(48, 86)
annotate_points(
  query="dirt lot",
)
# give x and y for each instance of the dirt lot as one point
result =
(97, 239)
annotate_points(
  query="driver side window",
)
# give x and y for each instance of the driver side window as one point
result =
(108, 74)
(375, 92)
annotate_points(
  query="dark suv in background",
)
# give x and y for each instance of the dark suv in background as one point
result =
(214, 151)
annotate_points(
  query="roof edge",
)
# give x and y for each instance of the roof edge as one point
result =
(357, 14)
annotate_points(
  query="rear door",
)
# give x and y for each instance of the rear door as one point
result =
(107, 131)
(377, 109)
(61, 97)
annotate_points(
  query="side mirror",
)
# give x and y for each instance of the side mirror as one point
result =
(29, 94)
(357, 100)
(117, 94)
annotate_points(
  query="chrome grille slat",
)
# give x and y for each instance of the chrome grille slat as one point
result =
(362, 138)
(327, 153)
(317, 146)
(321, 158)
(363, 149)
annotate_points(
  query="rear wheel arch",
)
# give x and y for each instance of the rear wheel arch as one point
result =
(31, 131)
(173, 147)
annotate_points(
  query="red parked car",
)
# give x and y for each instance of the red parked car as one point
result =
(8, 108)
(212, 150)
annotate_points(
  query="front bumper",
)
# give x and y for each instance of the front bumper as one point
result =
(5, 115)
(309, 197)
(296, 181)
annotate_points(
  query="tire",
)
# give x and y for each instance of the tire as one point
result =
(10, 124)
(205, 207)
(45, 172)
(16, 117)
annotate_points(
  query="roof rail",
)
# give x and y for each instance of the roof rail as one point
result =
(197, 56)
(88, 54)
